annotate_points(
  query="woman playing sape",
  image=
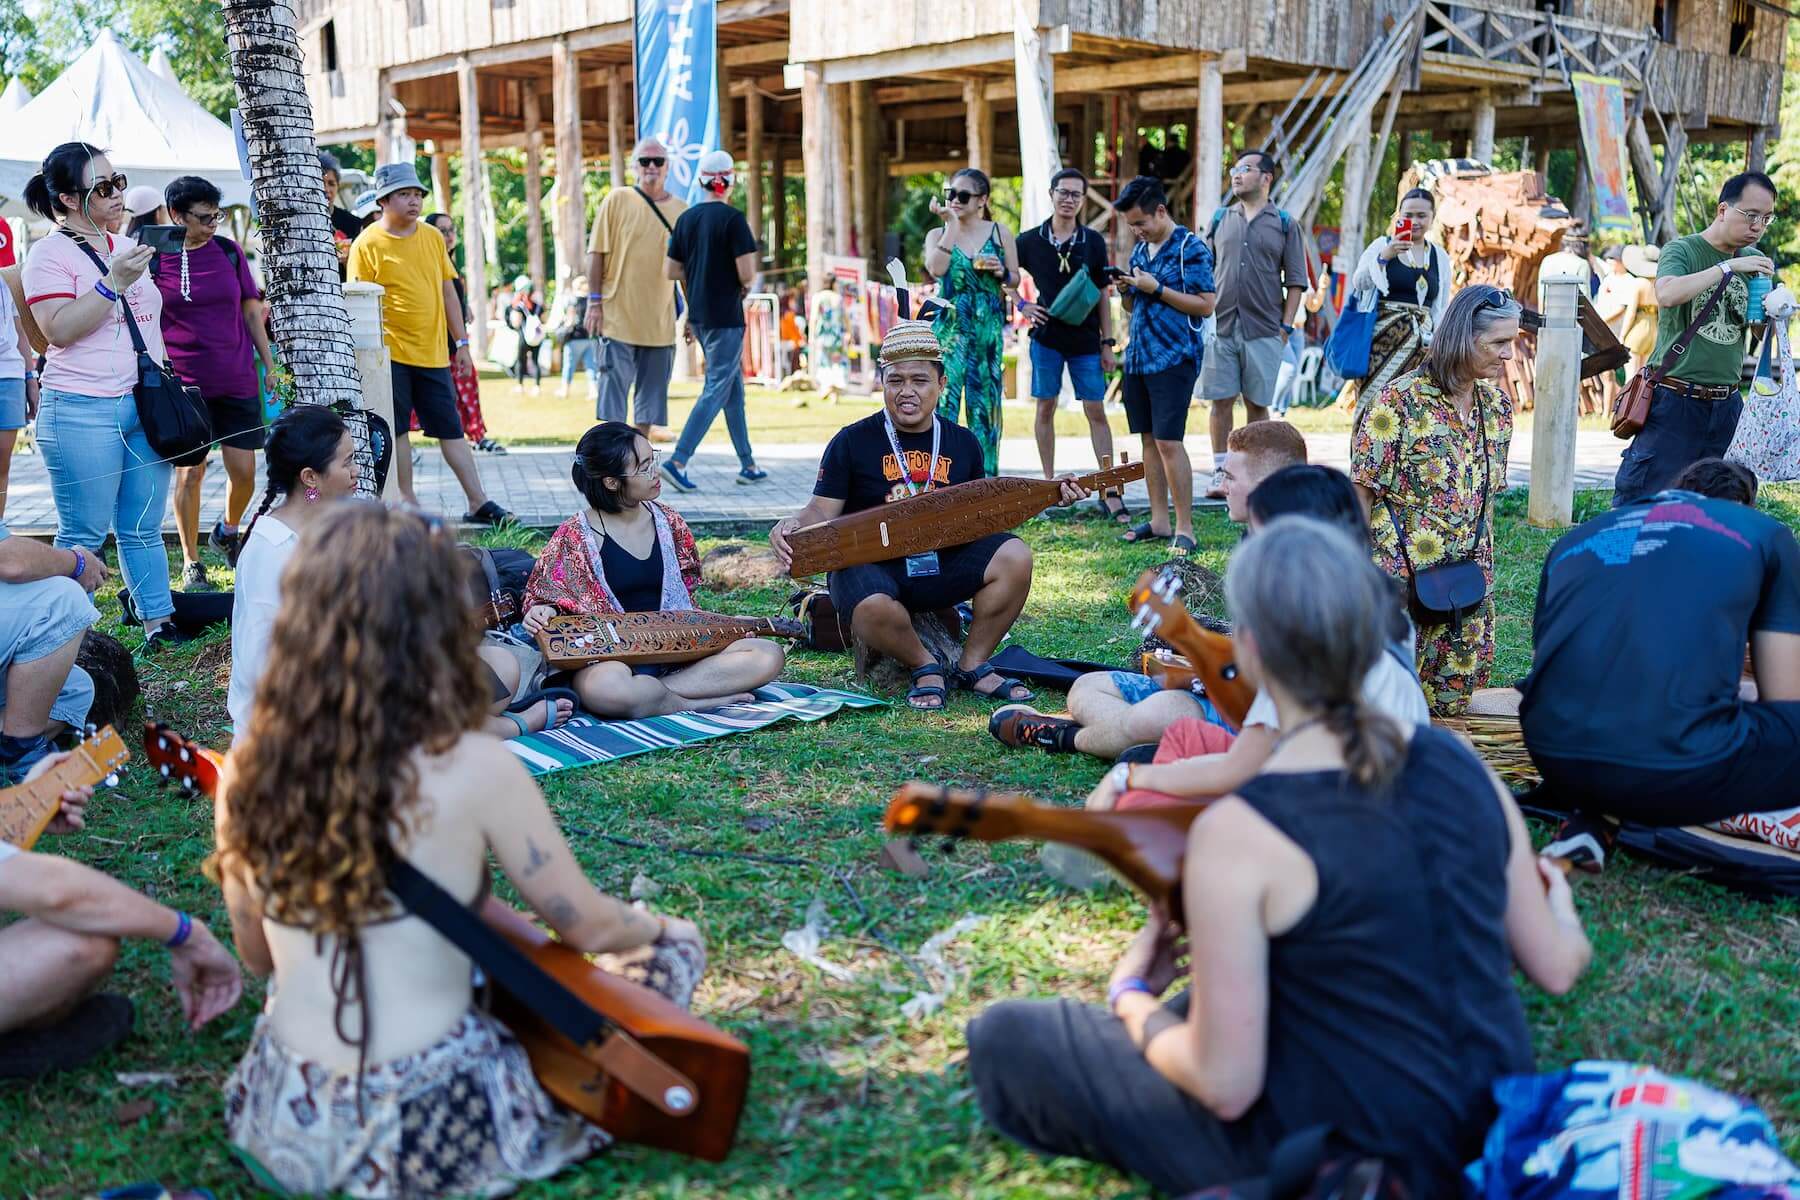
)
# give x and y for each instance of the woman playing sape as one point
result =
(1353, 915)
(372, 1071)
(625, 552)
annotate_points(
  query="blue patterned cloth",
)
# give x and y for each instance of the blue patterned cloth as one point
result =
(1160, 336)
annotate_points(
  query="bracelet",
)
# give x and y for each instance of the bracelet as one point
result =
(183, 927)
(1157, 294)
(1131, 983)
(100, 286)
(461, 342)
(592, 296)
(80, 563)
(30, 375)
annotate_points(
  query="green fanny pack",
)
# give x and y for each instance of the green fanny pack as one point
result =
(1076, 300)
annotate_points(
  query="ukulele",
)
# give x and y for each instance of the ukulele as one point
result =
(946, 516)
(1157, 609)
(655, 1075)
(572, 641)
(27, 809)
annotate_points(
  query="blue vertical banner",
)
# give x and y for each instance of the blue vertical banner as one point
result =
(675, 57)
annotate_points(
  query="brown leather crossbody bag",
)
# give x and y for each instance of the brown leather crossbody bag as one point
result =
(1631, 407)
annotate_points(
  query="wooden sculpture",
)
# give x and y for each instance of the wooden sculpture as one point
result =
(571, 642)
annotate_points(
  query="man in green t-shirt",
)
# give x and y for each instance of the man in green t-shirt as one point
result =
(1694, 410)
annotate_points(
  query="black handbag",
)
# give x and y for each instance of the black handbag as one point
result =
(1441, 594)
(173, 414)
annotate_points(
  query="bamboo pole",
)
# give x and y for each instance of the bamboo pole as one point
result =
(468, 95)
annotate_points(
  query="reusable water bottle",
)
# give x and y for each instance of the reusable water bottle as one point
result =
(1760, 286)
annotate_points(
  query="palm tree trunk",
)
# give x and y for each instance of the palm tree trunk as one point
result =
(299, 265)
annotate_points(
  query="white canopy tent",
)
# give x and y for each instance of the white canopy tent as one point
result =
(148, 126)
(15, 97)
(160, 64)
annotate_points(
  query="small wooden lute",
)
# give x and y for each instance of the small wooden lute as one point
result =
(947, 516)
(1156, 607)
(659, 1076)
(27, 809)
(571, 642)
(1171, 670)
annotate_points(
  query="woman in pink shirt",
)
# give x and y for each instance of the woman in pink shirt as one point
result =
(103, 474)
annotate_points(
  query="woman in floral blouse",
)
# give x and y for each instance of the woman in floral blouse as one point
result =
(1417, 457)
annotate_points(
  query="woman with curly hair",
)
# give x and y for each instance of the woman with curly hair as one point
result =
(1428, 454)
(372, 1071)
(625, 552)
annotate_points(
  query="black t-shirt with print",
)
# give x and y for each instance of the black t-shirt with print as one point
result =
(1040, 259)
(859, 468)
(1642, 617)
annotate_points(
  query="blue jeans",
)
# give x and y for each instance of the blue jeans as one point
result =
(723, 389)
(104, 476)
(12, 404)
(581, 352)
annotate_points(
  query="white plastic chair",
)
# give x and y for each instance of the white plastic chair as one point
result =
(1306, 380)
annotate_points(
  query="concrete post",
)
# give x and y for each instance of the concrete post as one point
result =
(362, 301)
(1557, 412)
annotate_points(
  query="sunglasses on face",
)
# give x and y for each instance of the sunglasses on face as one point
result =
(211, 218)
(106, 189)
(958, 196)
(652, 161)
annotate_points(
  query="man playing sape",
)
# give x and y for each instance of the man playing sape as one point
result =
(902, 451)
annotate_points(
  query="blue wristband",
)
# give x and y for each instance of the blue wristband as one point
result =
(185, 926)
(100, 286)
(1131, 983)
(80, 565)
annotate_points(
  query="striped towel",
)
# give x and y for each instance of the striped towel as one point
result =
(586, 740)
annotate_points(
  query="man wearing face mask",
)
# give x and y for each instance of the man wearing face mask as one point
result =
(713, 254)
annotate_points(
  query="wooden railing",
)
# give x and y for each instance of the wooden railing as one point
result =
(1543, 44)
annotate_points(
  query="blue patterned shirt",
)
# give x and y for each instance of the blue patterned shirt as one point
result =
(1162, 337)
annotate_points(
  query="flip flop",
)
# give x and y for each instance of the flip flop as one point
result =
(550, 695)
(1182, 544)
(1141, 532)
(490, 513)
(919, 692)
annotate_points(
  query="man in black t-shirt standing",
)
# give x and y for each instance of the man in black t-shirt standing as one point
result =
(1633, 709)
(1053, 255)
(713, 252)
(901, 451)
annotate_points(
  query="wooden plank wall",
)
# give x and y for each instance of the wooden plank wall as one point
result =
(820, 30)
(1307, 33)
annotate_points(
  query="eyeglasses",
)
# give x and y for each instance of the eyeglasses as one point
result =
(652, 161)
(648, 469)
(958, 196)
(106, 189)
(1248, 169)
(1756, 220)
(1066, 194)
(211, 218)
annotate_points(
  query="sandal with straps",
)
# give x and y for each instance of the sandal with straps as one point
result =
(920, 692)
(966, 680)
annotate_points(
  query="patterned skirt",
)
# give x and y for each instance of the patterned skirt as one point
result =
(463, 1117)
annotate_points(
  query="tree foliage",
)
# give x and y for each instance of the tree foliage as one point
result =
(38, 39)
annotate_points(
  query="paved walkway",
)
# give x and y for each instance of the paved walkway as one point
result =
(533, 482)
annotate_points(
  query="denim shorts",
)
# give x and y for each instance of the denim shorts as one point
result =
(12, 403)
(38, 619)
(1085, 375)
(1135, 688)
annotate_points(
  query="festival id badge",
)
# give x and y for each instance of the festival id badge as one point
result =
(925, 565)
(921, 566)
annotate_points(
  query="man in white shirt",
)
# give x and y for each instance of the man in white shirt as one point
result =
(44, 610)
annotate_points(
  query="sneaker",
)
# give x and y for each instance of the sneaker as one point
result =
(93, 1027)
(165, 635)
(193, 578)
(1585, 841)
(678, 478)
(752, 475)
(1019, 726)
(224, 543)
(1215, 490)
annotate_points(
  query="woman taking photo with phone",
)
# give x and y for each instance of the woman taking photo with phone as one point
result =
(976, 263)
(1410, 278)
(82, 284)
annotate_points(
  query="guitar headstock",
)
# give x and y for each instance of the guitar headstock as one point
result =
(175, 758)
(104, 754)
(919, 808)
(1155, 602)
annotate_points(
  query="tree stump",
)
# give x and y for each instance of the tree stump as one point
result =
(942, 641)
(115, 677)
(739, 566)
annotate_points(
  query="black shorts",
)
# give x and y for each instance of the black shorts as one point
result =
(961, 570)
(236, 422)
(1158, 404)
(430, 392)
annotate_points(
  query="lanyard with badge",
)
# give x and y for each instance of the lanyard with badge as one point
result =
(917, 565)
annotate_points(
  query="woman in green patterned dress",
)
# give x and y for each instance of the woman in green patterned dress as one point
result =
(1428, 454)
(974, 259)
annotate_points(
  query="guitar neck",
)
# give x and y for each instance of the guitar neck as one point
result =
(1114, 477)
(27, 810)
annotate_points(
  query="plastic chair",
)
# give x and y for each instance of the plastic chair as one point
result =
(1306, 379)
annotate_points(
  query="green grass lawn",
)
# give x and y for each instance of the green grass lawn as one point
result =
(848, 1096)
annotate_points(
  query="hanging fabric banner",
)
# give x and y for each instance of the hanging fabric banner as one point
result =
(1600, 103)
(675, 65)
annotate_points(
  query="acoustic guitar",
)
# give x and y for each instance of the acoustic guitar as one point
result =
(570, 642)
(946, 516)
(1156, 607)
(27, 809)
(655, 1074)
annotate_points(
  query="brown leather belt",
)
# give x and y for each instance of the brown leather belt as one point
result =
(1699, 391)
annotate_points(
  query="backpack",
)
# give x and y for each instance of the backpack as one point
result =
(1307, 1165)
(1212, 227)
(497, 584)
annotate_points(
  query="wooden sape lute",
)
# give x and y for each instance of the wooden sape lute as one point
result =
(1173, 671)
(949, 516)
(659, 1076)
(571, 642)
(1146, 846)
(1156, 607)
(27, 809)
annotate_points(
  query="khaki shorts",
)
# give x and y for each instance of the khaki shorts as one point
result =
(1235, 367)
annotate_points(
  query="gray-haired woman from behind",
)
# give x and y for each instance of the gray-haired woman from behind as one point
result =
(1428, 455)
(1313, 998)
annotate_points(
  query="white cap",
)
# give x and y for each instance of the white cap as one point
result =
(716, 162)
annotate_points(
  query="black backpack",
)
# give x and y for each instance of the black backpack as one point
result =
(497, 585)
(1308, 1166)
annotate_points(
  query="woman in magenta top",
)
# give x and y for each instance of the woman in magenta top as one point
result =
(82, 284)
(212, 321)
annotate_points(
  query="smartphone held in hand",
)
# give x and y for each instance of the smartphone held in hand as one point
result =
(164, 239)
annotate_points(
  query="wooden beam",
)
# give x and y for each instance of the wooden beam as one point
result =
(565, 114)
(979, 114)
(1481, 136)
(468, 94)
(843, 213)
(755, 54)
(534, 187)
(440, 179)
(1207, 139)
(861, 156)
(914, 60)
(1357, 186)
(1128, 168)
(615, 127)
(1756, 149)
(818, 137)
(753, 160)
(778, 209)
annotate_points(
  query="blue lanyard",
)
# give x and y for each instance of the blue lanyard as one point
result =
(937, 431)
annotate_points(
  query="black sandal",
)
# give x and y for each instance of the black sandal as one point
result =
(920, 692)
(1121, 514)
(966, 681)
(548, 696)
(1141, 532)
(490, 513)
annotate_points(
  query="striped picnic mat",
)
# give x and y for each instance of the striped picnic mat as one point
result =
(587, 740)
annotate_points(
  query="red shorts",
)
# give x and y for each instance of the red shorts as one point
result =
(1190, 737)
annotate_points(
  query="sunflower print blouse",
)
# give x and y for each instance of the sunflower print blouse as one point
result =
(1415, 452)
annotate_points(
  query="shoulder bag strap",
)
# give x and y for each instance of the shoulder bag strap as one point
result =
(1674, 352)
(504, 963)
(1487, 479)
(137, 339)
(653, 208)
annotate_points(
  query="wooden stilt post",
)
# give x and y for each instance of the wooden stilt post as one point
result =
(842, 215)
(778, 208)
(1034, 74)
(1555, 416)
(1128, 169)
(1208, 146)
(979, 116)
(1756, 149)
(565, 110)
(1481, 134)
(1543, 159)
(753, 166)
(474, 245)
(615, 126)
(440, 178)
(1357, 186)
(860, 158)
(818, 135)
(534, 186)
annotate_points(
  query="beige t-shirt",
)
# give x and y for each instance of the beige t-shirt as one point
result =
(639, 299)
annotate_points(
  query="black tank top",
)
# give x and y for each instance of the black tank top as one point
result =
(1391, 1005)
(637, 582)
(1403, 282)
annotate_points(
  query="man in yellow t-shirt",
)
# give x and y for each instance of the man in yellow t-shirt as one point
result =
(632, 309)
(420, 314)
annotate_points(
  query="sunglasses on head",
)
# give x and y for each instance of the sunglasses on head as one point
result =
(961, 197)
(1495, 297)
(106, 189)
(652, 160)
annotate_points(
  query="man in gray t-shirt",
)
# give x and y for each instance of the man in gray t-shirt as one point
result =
(1259, 262)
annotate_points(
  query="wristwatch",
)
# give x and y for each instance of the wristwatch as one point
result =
(1286, 328)
(461, 342)
(1726, 267)
(1109, 341)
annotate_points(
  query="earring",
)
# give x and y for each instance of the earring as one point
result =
(312, 495)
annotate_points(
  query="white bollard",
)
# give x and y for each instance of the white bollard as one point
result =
(363, 302)
(1555, 417)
